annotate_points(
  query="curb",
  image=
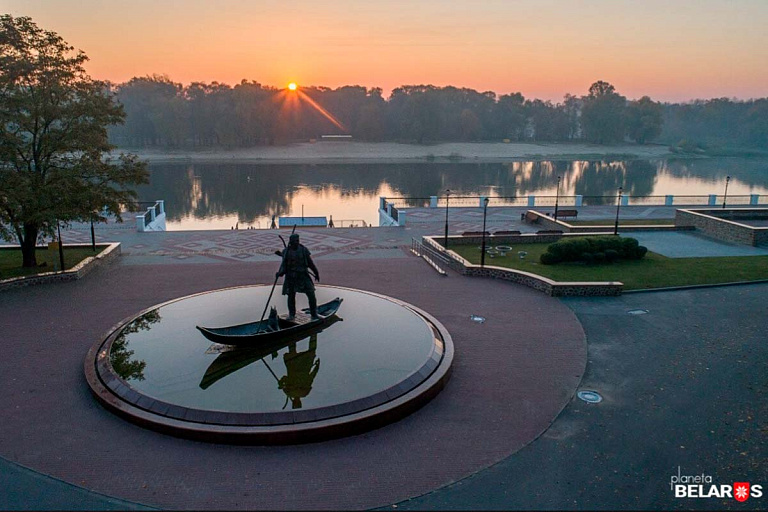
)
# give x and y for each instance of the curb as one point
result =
(696, 286)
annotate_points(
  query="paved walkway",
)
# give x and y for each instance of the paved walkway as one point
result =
(512, 375)
(338, 243)
(684, 386)
(693, 245)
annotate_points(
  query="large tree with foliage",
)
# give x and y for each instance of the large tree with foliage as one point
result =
(54, 153)
(644, 119)
(602, 115)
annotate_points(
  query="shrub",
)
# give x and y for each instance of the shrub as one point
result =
(548, 258)
(599, 249)
(569, 249)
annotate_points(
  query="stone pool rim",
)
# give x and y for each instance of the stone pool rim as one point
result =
(286, 427)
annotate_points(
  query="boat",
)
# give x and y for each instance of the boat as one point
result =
(237, 358)
(273, 329)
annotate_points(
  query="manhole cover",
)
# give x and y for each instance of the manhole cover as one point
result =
(591, 397)
(637, 311)
(477, 318)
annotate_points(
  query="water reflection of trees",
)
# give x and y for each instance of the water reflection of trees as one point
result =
(251, 191)
(119, 355)
(749, 171)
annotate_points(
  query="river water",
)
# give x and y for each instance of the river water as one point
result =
(221, 195)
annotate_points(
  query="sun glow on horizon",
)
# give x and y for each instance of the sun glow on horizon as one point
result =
(674, 51)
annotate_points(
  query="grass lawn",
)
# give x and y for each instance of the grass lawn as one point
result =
(10, 260)
(627, 222)
(653, 271)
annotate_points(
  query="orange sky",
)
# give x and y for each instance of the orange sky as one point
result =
(671, 50)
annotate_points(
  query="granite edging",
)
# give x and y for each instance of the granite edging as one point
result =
(105, 257)
(535, 281)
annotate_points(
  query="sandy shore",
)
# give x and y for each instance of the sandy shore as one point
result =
(387, 152)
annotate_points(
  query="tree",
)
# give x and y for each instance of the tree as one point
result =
(54, 163)
(644, 119)
(602, 116)
(510, 118)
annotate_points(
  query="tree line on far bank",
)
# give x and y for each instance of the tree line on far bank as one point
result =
(165, 114)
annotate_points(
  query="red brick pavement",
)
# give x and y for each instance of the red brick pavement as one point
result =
(512, 376)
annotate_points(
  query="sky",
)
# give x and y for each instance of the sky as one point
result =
(670, 50)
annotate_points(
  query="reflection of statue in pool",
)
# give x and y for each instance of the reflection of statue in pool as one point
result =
(234, 359)
(301, 369)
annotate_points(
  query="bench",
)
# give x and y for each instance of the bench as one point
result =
(475, 233)
(502, 233)
(549, 232)
(531, 217)
(567, 213)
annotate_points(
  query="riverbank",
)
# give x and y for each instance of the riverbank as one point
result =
(389, 152)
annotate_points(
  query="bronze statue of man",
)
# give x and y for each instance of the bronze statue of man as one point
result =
(296, 265)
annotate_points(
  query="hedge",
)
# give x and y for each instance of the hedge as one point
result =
(594, 249)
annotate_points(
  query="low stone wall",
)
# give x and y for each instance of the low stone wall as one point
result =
(547, 222)
(524, 238)
(105, 257)
(608, 230)
(709, 222)
(738, 213)
(537, 282)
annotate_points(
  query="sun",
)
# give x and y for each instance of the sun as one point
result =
(292, 86)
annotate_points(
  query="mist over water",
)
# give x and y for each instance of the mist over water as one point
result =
(216, 196)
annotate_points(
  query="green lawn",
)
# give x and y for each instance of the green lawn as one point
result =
(10, 260)
(653, 271)
(627, 222)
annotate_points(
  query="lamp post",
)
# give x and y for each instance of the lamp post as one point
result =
(557, 196)
(61, 247)
(618, 206)
(447, 197)
(725, 195)
(93, 235)
(482, 249)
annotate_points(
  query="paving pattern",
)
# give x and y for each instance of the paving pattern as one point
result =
(336, 243)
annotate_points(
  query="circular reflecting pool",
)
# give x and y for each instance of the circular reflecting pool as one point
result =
(374, 351)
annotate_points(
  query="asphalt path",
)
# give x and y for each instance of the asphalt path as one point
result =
(685, 385)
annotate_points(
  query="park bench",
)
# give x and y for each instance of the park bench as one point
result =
(549, 232)
(475, 233)
(502, 233)
(531, 217)
(564, 214)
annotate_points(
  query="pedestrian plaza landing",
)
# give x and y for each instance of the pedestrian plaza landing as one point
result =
(331, 243)
(168, 247)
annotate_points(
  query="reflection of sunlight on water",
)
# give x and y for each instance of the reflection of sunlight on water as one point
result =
(351, 194)
(196, 191)
(318, 201)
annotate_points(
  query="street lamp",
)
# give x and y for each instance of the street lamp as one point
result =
(61, 247)
(618, 206)
(482, 249)
(447, 196)
(93, 235)
(557, 196)
(725, 195)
